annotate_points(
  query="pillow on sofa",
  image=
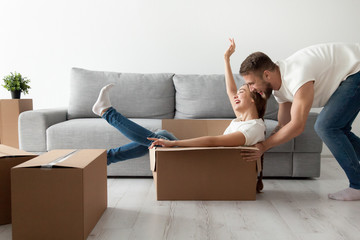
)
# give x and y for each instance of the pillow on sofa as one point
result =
(204, 96)
(134, 95)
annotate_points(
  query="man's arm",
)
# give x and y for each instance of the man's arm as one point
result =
(299, 112)
(300, 109)
(283, 116)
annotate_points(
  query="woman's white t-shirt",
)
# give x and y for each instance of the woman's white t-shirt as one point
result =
(253, 130)
(325, 64)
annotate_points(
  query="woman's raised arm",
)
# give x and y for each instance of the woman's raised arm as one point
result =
(231, 88)
(230, 83)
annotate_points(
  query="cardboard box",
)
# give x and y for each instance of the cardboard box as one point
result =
(202, 173)
(9, 157)
(10, 110)
(59, 195)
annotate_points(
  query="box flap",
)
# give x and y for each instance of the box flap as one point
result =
(81, 158)
(45, 158)
(6, 151)
(57, 162)
(152, 159)
(64, 158)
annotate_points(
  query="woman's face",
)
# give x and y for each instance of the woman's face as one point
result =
(243, 98)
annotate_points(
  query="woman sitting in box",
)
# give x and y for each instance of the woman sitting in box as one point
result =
(247, 129)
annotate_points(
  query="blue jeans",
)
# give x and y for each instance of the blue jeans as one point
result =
(333, 126)
(136, 133)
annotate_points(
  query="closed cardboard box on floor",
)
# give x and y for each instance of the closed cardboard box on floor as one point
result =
(205, 173)
(9, 157)
(59, 195)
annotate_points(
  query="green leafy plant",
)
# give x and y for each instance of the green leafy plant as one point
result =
(15, 81)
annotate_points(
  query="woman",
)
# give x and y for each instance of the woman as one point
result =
(247, 129)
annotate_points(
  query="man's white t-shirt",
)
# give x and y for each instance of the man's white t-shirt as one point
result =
(253, 130)
(326, 64)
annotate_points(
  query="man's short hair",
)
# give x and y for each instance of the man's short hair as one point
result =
(256, 63)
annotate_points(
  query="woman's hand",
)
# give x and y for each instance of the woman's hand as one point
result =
(230, 50)
(161, 142)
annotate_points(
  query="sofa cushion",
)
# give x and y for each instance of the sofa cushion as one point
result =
(91, 133)
(306, 164)
(278, 164)
(204, 96)
(134, 95)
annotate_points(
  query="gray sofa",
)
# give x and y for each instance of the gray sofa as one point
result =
(146, 99)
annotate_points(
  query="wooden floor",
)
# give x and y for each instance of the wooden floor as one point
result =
(288, 209)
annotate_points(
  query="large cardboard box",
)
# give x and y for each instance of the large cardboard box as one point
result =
(9, 157)
(10, 110)
(202, 173)
(59, 195)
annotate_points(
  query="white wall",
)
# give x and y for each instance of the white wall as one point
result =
(43, 39)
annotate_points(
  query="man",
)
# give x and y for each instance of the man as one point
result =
(325, 75)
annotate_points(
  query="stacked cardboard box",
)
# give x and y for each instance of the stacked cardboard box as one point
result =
(10, 110)
(206, 173)
(9, 157)
(59, 195)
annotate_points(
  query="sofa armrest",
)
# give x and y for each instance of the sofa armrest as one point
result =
(309, 141)
(33, 126)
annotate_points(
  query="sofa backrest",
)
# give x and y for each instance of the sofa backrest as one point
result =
(157, 95)
(134, 95)
(204, 96)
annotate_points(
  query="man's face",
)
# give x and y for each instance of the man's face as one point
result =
(257, 84)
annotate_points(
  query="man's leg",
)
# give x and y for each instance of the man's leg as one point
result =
(334, 128)
(355, 141)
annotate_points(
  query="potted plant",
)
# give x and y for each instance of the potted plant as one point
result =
(15, 83)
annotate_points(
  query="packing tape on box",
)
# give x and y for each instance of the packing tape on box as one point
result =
(59, 160)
